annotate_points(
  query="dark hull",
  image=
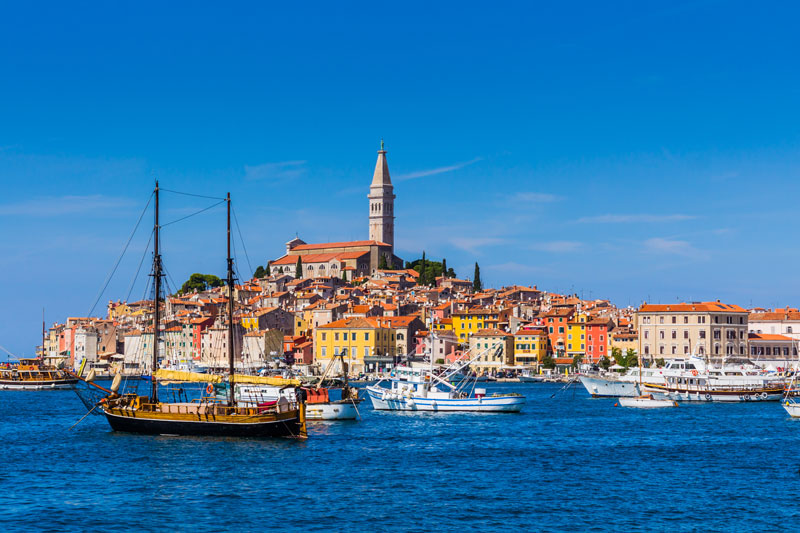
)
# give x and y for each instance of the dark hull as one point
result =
(280, 428)
(65, 383)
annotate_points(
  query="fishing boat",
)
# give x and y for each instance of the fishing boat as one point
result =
(33, 374)
(319, 405)
(206, 416)
(419, 388)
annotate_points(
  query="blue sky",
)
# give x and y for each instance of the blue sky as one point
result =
(631, 151)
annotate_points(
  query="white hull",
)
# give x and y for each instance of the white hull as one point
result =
(792, 408)
(384, 400)
(34, 386)
(646, 403)
(615, 388)
(331, 411)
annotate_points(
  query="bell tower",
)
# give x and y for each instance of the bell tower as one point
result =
(381, 202)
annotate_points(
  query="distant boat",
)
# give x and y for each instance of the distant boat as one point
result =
(33, 374)
(646, 402)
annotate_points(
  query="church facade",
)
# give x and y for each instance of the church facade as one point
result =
(350, 259)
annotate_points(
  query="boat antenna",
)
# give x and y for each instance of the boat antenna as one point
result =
(156, 301)
(231, 397)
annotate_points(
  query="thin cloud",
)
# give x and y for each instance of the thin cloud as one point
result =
(473, 244)
(557, 246)
(663, 246)
(538, 197)
(614, 219)
(65, 205)
(281, 171)
(435, 171)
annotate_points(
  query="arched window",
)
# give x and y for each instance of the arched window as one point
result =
(334, 266)
(310, 267)
(789, 329)
(322, 267)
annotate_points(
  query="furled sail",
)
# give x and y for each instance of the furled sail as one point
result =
(179, 375)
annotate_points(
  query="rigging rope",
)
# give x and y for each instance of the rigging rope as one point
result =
(116, 265)
(193, 214)
(192, 194)
(239, 229)
(139, 269)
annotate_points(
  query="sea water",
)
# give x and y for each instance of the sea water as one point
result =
(566, 463)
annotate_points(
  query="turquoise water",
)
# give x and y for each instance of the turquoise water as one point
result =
(568, 463)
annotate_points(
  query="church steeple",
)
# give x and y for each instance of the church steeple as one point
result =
(381, 202)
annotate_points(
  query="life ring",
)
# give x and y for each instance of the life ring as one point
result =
(210, 388)
(708, 397)
(694, 372)
(763, 395)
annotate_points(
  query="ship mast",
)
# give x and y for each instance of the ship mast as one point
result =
(231, 398)
(44, 353)
(156, 300)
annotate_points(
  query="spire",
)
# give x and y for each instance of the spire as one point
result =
(381, 175)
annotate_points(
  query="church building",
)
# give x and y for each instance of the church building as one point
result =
(352, 258)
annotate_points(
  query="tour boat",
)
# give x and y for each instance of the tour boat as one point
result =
(421, 389)
(728, 383)
(33, 374)
(206, 416)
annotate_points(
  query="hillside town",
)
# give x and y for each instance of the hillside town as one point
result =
(358, 300)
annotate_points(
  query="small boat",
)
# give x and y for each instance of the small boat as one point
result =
(793, 408)
(319, 406)
(645, 401)
(33, 374)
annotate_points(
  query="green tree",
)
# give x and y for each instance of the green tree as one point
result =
(605, 363)
(627, 360)
(548, 361)
(423, 277)
(200, 282)
(260, 272)
(477, 284)
(451, 273)
(444, 267)
(660, 361)
(344, 275)
(382, 264)
(577, 360)
(298, 268)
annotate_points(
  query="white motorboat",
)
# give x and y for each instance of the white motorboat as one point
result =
(419, 388)
(646, 402)
(728, 383)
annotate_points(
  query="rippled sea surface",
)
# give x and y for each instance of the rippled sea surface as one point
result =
(566, 463)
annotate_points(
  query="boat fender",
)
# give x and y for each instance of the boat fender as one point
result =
(694, 372)
(763, 395)
(210, 389)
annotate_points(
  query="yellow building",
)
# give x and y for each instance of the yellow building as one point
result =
(369, 344)
(576, 335)
(467, 323)
(445, 324)
(530, 346)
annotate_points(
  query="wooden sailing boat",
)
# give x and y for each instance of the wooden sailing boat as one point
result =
(207, 416)
(34, 373)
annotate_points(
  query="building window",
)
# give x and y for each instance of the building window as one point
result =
(686, 320)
